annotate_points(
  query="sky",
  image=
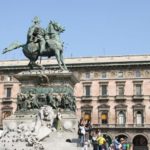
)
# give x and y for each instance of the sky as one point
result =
(92, 27)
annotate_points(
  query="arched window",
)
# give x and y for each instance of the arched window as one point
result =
(121, 118)
(139, 118)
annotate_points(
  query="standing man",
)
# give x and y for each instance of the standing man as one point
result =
(101, 142)
(117, 144)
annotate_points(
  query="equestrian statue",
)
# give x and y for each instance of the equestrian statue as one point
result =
(42, 42)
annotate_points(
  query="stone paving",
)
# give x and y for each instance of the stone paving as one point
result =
(56, 141)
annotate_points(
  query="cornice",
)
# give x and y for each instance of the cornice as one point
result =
(75, 63)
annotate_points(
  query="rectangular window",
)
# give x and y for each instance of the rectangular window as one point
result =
(8, 92)
(104, 118)
(139, 119)
(104, 90)
(138, 89)
(87, 90)
(87, 116)
(121, 119)
(120, 90)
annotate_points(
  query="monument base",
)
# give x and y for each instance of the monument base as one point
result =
(44, 96)
(11, 123)
(65, 138)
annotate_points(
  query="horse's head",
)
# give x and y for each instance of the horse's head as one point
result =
(56, 27)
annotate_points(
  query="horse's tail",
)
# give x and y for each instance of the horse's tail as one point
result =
(13, 46)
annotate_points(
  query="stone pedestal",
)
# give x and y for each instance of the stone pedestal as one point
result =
(54, 88)
(69, 121)
(47, 81)
(40, 84)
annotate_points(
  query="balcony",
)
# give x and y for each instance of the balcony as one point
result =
(103, 98)
(138, 98)
(7, 100)
(120, 98)
(139, 125)
(86, 98)
(121, 126)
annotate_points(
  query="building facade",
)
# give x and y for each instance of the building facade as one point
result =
(113, 93)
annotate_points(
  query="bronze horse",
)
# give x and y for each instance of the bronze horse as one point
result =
(53, 47)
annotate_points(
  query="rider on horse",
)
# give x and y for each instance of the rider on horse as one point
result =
(36, 34)
(43, 43)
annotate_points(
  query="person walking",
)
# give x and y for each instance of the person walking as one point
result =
(117, 144)
(81, 133)
(123, 143)
(101, 142)
(112, 147)
(94, 140)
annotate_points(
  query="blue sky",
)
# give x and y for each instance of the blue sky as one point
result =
(93, 27)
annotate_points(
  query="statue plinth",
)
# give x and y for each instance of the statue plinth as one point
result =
(47, 81)
(47, 87)
(39, 88)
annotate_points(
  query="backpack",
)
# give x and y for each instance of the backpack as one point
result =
(79, 131)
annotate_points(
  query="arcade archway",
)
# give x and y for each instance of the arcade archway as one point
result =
(122, 136)
(140, 142)
(108, 139)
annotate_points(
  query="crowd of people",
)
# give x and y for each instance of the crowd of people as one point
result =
(89, 136)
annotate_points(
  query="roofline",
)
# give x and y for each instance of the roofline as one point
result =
(98, 61)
